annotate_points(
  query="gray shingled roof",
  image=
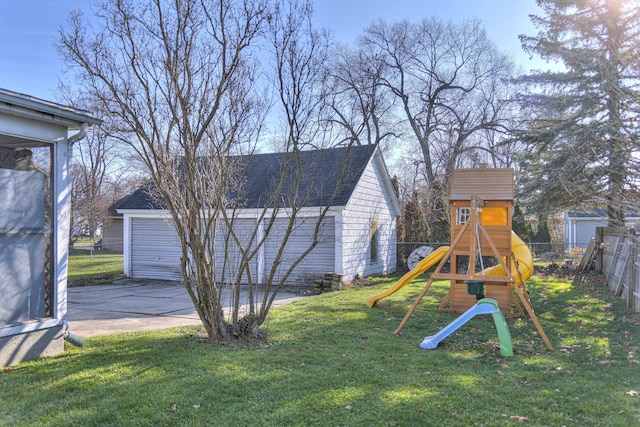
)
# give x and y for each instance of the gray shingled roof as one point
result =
(320, 179)
(600, 213)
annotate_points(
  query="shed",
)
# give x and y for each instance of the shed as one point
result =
(35, 183)
(580, 226)
(358, 233)
(112, 230)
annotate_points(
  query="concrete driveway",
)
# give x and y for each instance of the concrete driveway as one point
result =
(134, 305)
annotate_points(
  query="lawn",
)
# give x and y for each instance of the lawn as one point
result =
(332, 361)
(99, 268)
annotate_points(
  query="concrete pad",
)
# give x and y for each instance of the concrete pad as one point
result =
(130, 305)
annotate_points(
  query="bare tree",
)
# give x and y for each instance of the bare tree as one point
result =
(89, 200)
(359, 108)
(447, 79)
(181, 81)
(450, 84)
(299, 52)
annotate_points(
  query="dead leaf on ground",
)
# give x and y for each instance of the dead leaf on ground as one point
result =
(173, 408)
(519, 418)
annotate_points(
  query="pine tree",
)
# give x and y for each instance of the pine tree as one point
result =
(520, 225)
(582, 121)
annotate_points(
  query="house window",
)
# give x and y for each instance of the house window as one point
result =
(463, 215)
(374, 240)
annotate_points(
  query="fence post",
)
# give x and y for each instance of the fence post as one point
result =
(633, 274)
(599, 253)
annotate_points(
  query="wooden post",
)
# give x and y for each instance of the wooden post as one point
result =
(599, 244)
(534, 318)
(633, 270)
(424, 291)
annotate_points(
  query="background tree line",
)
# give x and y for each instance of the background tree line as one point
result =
(439, 95)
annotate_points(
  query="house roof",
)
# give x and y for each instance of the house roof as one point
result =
(19, 104)
(323, 175)
(599, 213)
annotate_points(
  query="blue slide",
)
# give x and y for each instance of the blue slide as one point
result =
(484, 306)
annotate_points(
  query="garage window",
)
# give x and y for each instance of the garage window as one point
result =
(374, 240)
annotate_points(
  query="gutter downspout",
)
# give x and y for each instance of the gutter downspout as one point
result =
(84, 127)
(68, 336)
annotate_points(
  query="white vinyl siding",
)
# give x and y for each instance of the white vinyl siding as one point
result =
(319, 261)
(370, 199)
(579, 231)
(585, 231)
(155, 249)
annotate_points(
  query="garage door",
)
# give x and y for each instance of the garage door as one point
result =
(228, 256)
(320, 260)
(155, 249)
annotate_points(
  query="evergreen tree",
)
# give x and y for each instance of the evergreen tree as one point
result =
(519, 224)
(582, 121)
(541, 234)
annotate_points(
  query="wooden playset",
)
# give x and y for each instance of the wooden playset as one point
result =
(481, 202)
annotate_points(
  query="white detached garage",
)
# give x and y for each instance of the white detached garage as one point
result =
(357, 236)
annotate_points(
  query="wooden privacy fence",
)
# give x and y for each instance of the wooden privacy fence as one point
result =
(616, 252)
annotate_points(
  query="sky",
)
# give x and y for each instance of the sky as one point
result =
(30, 64)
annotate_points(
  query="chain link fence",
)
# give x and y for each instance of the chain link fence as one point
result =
(87, 247)
(546, 252)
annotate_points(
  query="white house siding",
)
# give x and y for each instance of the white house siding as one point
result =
(584, 231)
(579, 230)
(319, 261)
(371, 199)
(155, 249)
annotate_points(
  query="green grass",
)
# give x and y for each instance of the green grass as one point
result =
(332, 361)
(99, 268)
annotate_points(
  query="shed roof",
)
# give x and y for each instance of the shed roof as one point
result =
(321, 178)
(599, 213)
(486, 183)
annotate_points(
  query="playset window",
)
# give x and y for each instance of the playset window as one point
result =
(463, 215)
